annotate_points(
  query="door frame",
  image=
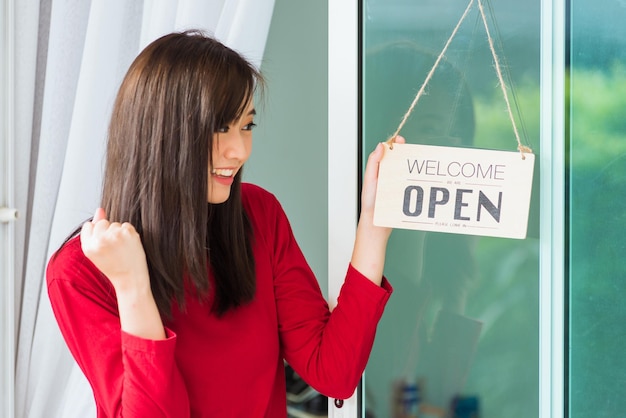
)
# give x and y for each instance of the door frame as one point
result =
(343, 65)
(7, 200)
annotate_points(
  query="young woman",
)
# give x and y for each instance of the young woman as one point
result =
(185, 292)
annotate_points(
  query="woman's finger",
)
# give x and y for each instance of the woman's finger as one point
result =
(400, 140)
(86, 233)
(99, 215)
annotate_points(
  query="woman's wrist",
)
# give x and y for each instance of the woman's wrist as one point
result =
(370, 245)
(139, 314)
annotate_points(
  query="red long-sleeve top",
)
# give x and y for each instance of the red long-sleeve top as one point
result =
(231, 366)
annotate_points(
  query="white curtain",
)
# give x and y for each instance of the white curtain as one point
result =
(72, 55)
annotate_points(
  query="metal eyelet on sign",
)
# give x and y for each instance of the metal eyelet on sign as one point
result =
(338, 403)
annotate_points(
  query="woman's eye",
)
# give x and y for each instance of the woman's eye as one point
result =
(222, 130)
(249, 126)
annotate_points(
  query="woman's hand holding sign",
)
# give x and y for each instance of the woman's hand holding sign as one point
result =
(368, 255)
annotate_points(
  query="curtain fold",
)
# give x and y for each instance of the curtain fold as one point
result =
(59, 70)
(31, 27)
(88, 49)
(239, 21)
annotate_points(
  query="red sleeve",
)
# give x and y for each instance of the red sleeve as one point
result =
(130, 376)
(329, 351)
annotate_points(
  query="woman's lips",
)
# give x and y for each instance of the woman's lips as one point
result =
(226, 181)
(223, 176)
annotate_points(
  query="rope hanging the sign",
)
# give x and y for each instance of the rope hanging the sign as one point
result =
(522, 148)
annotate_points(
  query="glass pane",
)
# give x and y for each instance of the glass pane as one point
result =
(597, 207)
(462, 324)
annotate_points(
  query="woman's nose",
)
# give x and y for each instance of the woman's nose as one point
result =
(235, 145)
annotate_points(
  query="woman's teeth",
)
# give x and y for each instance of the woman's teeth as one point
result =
(222, 172)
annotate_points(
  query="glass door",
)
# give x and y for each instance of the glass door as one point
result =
(462, 331)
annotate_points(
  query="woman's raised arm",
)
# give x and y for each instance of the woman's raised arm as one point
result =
(368, 256)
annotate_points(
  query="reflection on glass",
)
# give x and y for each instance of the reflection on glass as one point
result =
(460, 332)
(443, 342)
(443, 116)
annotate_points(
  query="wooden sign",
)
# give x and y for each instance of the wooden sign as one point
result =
(455, 190)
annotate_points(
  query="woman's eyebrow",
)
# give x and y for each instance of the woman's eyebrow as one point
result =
(252, 112)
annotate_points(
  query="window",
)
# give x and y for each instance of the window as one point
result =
(596, 208)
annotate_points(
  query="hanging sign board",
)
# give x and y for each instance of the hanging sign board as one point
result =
(455, 190)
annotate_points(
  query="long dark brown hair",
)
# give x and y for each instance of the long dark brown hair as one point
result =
(176, 94)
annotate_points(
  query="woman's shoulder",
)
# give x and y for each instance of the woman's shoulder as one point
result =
(70, 264)
(263, 209)
(250, 190)
(254, 196)
(70, 252)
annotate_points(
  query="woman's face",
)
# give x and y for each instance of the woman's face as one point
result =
(232, 145)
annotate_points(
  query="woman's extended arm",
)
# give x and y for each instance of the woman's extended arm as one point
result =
(330, 351)
(368, 256)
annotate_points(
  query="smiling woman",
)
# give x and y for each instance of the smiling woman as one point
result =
(186, 279)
